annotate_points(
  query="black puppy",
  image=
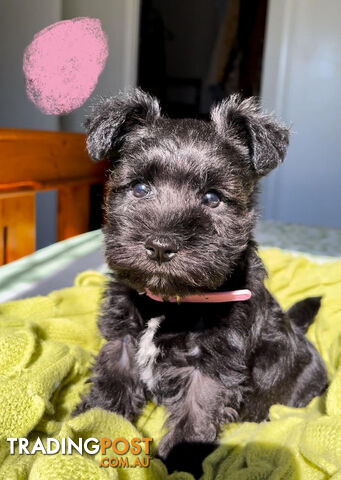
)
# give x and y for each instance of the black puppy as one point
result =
(180, 214)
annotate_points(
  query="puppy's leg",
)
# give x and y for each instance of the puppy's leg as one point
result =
(197, 407)
(115, 385)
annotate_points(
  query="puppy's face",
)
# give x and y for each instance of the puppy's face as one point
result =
(179, 210)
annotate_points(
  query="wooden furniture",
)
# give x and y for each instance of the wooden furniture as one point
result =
(33, 161)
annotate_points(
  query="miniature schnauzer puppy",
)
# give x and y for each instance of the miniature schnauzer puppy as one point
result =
(180, 215)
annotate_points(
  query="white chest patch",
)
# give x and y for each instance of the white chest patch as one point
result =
(147, 352)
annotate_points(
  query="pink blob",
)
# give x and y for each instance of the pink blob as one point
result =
(63, 63)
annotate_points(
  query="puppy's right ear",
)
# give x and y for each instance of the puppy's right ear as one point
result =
(113, 118)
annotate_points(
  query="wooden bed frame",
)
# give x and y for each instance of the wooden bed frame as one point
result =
(34, 161)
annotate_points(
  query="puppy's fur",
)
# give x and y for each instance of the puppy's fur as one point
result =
(208, 363)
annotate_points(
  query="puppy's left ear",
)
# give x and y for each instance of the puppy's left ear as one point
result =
(114, 118)
(262, 138)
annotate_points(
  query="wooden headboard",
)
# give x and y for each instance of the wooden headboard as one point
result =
(34, 161)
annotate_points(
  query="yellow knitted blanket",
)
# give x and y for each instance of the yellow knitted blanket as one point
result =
(47, 345)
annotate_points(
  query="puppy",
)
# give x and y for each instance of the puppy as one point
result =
(180, 215)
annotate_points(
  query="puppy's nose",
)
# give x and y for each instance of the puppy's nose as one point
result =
(161, 248)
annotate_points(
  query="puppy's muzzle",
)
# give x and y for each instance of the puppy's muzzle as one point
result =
(160, 248)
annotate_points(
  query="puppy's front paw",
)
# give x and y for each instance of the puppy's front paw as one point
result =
(166, 444)
(227, 414)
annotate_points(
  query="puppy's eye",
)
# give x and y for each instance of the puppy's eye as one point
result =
(211, 199)
(140, 190)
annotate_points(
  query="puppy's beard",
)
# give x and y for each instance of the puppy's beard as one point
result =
(184, 275)
(168, 285)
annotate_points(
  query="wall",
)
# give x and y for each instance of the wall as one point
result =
(20, 20)
(301, 82)
(120, 21)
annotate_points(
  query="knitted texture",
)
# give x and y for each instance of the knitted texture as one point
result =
(47, 346)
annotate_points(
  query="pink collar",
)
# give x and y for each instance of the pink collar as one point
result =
(210, 297)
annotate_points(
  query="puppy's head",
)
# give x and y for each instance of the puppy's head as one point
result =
(180, 207)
